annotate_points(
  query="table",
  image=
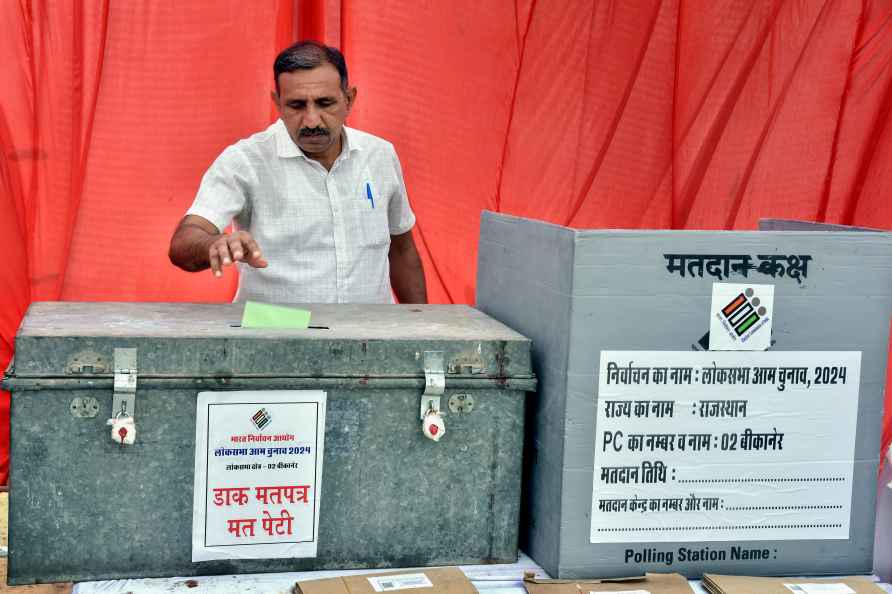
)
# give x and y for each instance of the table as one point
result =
(488, 579)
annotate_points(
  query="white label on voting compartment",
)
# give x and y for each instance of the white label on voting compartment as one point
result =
(740, 317)
(820, 588)
(258, 468)
(386, 583)
(724, 446)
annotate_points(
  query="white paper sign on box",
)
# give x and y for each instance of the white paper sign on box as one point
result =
(258, 468)
(724, 446)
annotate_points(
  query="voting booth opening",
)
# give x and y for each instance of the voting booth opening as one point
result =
(160, 439)
(707, 400)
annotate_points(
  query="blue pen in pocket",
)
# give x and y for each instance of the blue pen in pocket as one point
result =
(368, 194)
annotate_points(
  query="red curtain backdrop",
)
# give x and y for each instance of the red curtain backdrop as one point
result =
(682, 115)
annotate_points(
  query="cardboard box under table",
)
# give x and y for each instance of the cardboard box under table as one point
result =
(444, 580)
(652, 583)
(304, 448)
(738, 584)
(649, 453)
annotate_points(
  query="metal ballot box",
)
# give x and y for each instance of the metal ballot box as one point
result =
(708, 401)
(84, 507)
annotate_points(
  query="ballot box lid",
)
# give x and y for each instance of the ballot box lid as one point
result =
(78, 339)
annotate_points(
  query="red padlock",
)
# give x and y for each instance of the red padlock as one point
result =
(433, 425)
(123, 429)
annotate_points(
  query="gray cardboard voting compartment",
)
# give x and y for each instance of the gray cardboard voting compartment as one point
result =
(579, 292)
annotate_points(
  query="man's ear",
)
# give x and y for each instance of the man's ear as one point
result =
(351, 97)
(275, 97)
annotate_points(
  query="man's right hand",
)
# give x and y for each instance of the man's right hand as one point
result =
(235, 247)
(197, 244)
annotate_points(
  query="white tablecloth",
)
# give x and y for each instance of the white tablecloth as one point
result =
(488, 579)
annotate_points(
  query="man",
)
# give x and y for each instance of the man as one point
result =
(321, 212)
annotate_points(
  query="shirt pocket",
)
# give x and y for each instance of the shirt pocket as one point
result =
(371, 211)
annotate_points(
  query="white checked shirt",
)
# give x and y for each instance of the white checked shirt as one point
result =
(325, 234)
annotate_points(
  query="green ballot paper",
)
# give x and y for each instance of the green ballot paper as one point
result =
(264, 315)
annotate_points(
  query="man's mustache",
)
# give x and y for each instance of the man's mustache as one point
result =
(313, 132)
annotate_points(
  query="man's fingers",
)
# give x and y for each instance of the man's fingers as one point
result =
(223, 255)
(258, 262)
(252, 247)
(236, 248)
(214, 258)
(253, 254)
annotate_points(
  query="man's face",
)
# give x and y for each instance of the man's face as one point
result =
(313, 107)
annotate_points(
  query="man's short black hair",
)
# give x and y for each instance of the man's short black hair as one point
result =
(306, 55)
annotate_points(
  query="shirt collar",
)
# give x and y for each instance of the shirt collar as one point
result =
(286, 148)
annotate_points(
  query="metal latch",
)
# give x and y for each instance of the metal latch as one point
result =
(124, 399)
(467, 366)
(468, 362)
(434, 381)
(85, 362)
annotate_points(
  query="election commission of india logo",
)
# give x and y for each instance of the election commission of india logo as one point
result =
(743, 314)
(261, 418)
